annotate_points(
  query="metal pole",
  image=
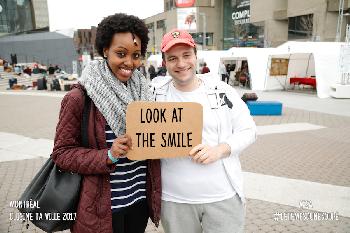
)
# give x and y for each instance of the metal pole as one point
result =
(204, 36)
(204, 31)
(340, 21)
(154, 39)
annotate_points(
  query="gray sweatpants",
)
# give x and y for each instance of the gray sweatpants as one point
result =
(219, 217)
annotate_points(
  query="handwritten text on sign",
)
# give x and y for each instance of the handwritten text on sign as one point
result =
(163, 129)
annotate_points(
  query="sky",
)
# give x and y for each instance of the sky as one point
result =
(82, 14)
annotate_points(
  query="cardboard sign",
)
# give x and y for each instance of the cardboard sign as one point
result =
(163, 129)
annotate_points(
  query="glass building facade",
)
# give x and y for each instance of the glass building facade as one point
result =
(238, 31)
(16, 16)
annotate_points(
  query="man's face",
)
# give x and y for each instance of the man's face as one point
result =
(180, 61)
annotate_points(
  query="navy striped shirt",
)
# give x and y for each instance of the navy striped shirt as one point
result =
(128, 181)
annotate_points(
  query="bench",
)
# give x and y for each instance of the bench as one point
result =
(264, 108)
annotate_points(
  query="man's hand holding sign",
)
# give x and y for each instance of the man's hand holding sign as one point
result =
(163, 129)
(206, 154)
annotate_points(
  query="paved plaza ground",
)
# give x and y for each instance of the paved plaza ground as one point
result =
(301, 159)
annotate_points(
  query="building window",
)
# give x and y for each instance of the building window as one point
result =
(150, 26)
(16, 16)
(237, 29)
(160, 24)
(300, 27)
(3, 18)
(198, 38)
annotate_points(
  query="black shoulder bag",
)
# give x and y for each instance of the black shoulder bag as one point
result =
(55, 192)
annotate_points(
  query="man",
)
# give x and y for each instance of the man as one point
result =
(202, 192)
(223, 72)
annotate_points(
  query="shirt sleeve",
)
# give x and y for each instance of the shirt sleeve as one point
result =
(243, 132)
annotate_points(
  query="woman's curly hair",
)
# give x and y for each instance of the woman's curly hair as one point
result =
(120, 23)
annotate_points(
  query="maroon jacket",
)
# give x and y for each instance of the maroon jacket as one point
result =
(205, 70)
(94, 209)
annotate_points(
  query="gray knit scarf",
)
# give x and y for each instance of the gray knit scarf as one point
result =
(110, 95)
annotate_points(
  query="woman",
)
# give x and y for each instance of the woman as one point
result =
(117, 195)
(205, 68)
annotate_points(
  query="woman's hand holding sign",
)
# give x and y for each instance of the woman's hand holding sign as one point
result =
(206, 154)
(121, 145)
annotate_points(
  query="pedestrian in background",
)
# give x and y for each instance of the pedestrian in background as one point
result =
(152, 72)
(205, 68)
(117, 195)
(50, 77)
(203, 192)
(161, 71)
(223, 72)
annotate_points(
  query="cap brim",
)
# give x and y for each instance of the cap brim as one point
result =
(175, 42)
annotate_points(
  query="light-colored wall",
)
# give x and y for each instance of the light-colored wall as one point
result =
(213, 25)
(304, 7)
(157, 34)
(41, 13)
(276, 31)
(263, 10)
(218, 19)
(330, 27)
(262, 14)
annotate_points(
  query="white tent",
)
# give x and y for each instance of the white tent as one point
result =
(257, 63)
(299, 65)
(212, 58)
(326, 57)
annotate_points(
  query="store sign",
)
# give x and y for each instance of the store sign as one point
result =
(186, 19)
(241, 17)
(241, 12)
(184, 3)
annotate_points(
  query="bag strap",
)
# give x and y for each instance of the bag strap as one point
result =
(85, 121)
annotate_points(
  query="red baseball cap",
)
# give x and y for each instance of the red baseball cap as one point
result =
(176, 36)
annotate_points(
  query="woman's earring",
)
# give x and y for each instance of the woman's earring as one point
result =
(105, 56)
